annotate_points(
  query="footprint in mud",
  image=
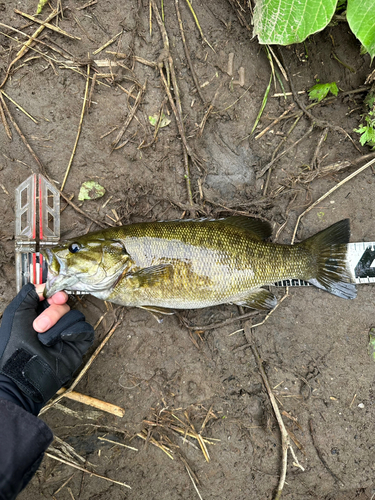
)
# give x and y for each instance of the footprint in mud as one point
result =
(230, 166)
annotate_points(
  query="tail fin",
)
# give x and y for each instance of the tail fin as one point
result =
(330, 269)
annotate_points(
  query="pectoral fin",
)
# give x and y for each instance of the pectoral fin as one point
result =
(151, 276)
(259, 299)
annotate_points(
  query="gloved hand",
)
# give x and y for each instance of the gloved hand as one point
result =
(40, 363)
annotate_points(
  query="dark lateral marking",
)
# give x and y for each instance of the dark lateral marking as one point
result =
(292, 282)
(363, 269)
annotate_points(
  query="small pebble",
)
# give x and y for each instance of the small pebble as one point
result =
(361, 405)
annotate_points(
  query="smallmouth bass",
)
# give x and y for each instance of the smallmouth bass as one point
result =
(197, 263)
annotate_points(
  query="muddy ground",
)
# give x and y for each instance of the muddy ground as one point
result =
(314, 346)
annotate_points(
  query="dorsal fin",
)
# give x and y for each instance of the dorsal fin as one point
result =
(259, 228)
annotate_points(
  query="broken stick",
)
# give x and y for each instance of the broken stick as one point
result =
(95, 403)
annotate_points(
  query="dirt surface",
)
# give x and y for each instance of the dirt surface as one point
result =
(314, 346)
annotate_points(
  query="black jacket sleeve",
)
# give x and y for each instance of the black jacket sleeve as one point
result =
(23, 441)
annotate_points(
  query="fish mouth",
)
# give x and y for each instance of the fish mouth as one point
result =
(57, 280)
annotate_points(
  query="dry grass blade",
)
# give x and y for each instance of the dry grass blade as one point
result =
(194, 484)
(27, 44)
(87, 471)
(89, 4)
(19, 107)
(117, 443)
(153, 441)
(166, 421)
(281, 68)
(46, 24)
(85, 100)
(264, 102)
(198, 25)
(63, 485)
(106, 44)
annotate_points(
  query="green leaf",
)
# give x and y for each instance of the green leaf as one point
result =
(361, 19)
(164, 120)
(367, 134)
(320, 90)
(291, 21)
(91, 190)
(41, 4)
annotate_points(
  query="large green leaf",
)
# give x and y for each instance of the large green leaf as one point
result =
(291, 21)
(361, 19)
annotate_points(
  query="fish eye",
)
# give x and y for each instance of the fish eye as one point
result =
(74, 247)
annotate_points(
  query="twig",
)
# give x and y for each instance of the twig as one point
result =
(320, 454)
(85, 470)
(64, 484)
(39, 163)
(85, 368)
(129, 118)
(273, 310)
(261, 134)
(285, 441)
(344, 181)
(315, 161)
(89, 4)
(79, 24)
(187, 53)
(210, 108)
(94, 402)
(219, 324)
(79, 128)
(184, 149)
(46, 24)
(91, 90)
(167, 60)
(269, 165)
(284, 139)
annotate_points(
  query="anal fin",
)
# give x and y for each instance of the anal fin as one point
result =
(259, 299)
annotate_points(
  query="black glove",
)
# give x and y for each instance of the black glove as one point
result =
(40, 363)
